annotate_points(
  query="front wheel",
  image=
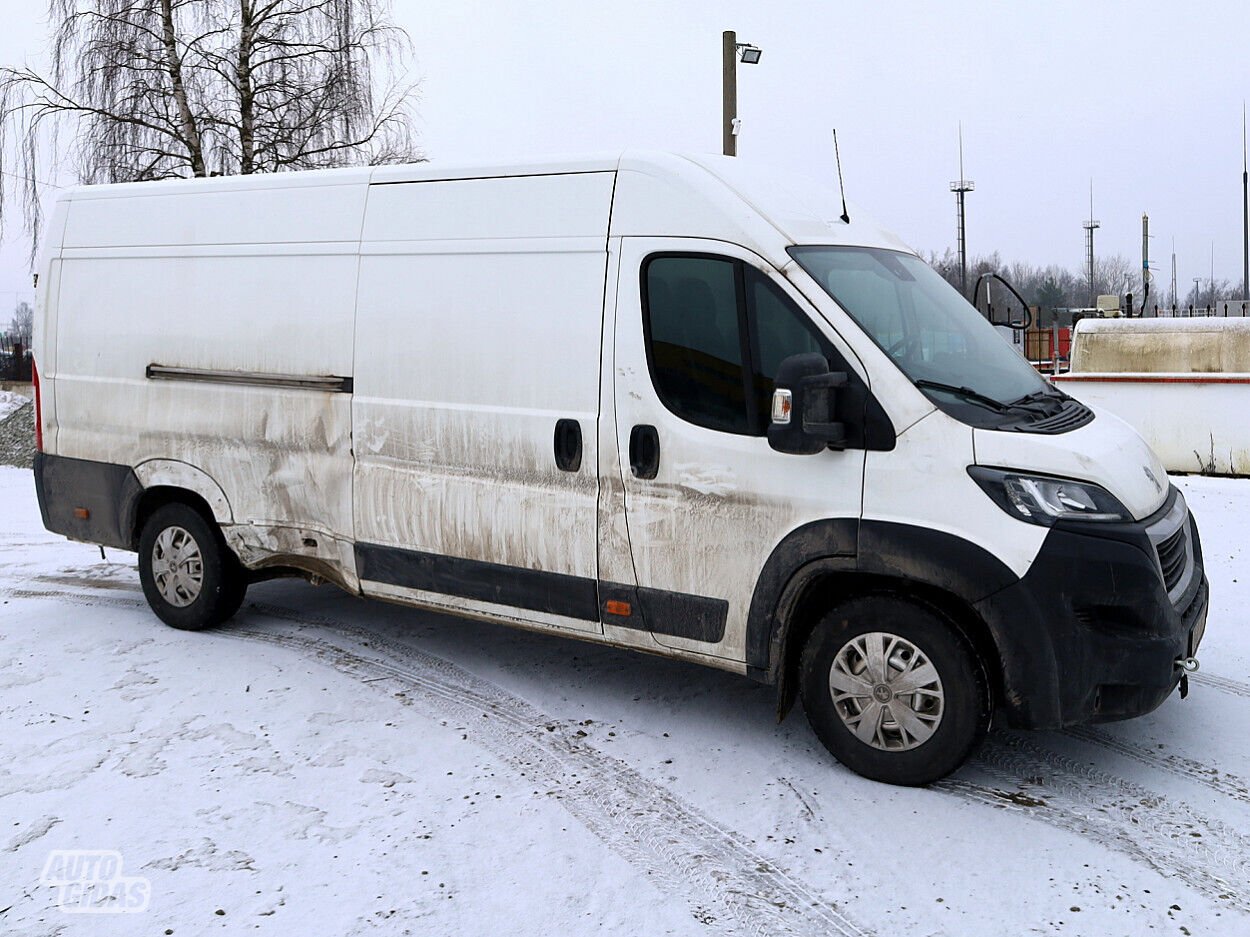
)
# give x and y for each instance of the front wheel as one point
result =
(190, 578)
(893, 690)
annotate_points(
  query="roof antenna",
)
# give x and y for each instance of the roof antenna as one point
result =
(838, 156)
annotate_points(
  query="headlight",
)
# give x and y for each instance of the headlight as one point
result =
(1042, 500)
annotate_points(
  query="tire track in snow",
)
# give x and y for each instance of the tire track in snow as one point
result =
(679, 849)
(675, 845)
(1221, 683)
(1227, 785)
(77, 598)
(1209, 856)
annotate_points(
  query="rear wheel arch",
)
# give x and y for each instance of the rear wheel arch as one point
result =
(172, 473)
(151, 500)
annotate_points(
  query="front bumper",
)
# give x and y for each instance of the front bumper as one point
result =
(1092, 633)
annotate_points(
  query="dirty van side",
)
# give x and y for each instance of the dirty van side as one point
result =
(674, 404)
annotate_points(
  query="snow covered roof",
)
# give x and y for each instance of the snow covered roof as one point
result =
(1200, 345)
(1167, 324)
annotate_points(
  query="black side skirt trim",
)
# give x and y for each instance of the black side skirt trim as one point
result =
(533, 589)
(676, 614)
(669, 613)
(679, 615)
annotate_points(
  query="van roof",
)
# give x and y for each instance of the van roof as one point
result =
(668, 193)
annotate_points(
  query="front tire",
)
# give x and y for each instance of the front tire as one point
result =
(893, 690)
(190, 578)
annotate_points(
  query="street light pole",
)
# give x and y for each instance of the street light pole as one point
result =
(729, 91)
(730, 50)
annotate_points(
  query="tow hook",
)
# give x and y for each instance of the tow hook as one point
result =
(1187, 666)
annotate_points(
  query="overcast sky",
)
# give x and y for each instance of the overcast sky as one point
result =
(1145, 99)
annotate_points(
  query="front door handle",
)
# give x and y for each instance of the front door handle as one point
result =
(644, 451)
(568, 445)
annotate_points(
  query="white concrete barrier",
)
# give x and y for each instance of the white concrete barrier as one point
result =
(1184, 384)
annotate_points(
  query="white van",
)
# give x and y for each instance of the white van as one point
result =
(664, 402)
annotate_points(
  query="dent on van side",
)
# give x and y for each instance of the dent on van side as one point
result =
(669, 403)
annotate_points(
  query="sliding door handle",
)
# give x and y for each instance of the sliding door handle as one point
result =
(644, 451)
(568, 445)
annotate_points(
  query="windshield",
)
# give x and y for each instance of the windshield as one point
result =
(931, 332)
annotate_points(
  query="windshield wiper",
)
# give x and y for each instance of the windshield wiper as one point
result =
(1049, 393)
(1049, 400)
(967, 393)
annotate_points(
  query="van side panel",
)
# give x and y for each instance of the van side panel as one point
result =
(479, 328)
(165, 282)
(43, 340)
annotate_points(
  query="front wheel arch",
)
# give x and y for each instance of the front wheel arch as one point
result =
(816, 590)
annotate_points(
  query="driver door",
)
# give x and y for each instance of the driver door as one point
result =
(700, 329)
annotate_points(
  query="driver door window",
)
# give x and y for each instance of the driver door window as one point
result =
(716, 331)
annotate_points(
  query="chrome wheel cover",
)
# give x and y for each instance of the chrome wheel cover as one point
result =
(886, 691)
(177, 567)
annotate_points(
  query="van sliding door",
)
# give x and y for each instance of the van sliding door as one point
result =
(476, 402)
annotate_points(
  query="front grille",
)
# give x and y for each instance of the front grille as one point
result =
(1170, 536)
(1172, 557)
(1072, 415)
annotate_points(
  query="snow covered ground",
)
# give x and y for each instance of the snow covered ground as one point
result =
(10, 401)
(325, 765)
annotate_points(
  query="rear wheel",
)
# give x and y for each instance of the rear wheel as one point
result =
(893, 690)
(189, 576)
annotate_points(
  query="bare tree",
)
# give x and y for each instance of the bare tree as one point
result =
(1056, 288)
(1115, 274)
(153, 89)
(21, 325)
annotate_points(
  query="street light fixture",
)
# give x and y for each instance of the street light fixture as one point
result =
(731, 51)
(749, 54)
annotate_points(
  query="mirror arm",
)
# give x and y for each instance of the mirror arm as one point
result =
(832, 433)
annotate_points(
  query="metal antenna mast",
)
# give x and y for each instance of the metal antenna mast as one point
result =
(1245, 212)
(1173, 275)
(1090, 227)
(962, 187)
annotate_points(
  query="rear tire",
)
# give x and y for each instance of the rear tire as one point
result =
(893, 690)
(190, 577)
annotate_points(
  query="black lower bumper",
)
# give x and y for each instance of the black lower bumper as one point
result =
(89, 501)
(1090, 634)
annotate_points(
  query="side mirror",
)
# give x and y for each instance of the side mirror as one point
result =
(803, 406)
